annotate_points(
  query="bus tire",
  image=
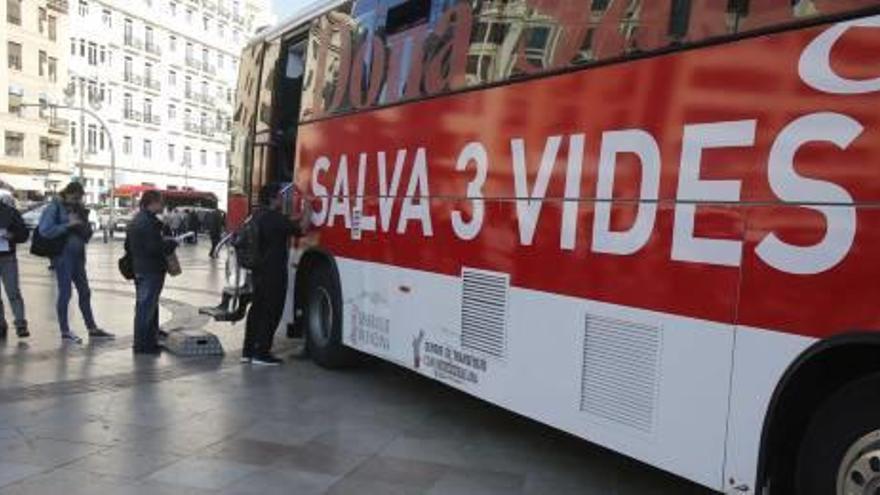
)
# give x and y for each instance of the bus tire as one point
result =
(323, 319)
(841, 447)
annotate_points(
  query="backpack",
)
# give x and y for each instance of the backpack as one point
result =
(247, 244)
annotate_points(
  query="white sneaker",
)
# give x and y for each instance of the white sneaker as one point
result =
(72, 338)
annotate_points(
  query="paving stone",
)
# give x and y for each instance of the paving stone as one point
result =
(206, 474)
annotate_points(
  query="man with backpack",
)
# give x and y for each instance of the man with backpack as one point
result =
(62, 234)
(263, 247)
(12, 231)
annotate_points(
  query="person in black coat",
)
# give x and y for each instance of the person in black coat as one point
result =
(269, 277)
(149, 252)
(193, 225)
(214, 223)
(13, 231)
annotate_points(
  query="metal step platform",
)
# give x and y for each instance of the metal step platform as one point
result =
(191, 342)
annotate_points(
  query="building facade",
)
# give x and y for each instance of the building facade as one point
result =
(161, 74)
(33, 157)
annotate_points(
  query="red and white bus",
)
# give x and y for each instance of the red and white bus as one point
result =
(651, 224)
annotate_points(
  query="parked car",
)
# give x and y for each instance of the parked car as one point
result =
(32, 216)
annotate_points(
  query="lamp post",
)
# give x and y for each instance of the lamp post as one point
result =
(104, 128)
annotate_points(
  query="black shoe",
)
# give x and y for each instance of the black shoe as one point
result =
(152, 351)
(97, 333)
(22, 332)
(3, 332)
(267, 360)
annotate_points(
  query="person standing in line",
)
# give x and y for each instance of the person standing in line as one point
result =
(66, 217)
(149, 251)
(193, 225)
(13, 231)
(269, 276)
(214, 224)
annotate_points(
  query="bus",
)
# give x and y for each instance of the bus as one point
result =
(650, 224)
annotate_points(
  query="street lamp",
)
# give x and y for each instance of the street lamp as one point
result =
(104, 128)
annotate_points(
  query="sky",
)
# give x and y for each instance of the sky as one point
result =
(283, 8)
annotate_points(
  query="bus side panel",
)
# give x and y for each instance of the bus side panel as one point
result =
(844, 301)
(551, 357)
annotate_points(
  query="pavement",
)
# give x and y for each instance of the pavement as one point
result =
(94, 419)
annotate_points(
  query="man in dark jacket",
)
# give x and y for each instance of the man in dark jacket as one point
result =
(269, 277)
(149, 253)
(12, 231)
(193, 225)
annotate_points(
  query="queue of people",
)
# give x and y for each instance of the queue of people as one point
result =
(64, 231)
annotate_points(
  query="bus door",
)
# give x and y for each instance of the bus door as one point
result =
(280, 100)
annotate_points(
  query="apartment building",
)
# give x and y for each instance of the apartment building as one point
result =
(161, 74)
(33, 149)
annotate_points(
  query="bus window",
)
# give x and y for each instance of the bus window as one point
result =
(328, 62)
(759, 14)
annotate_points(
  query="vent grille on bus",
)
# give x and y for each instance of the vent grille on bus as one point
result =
(484, 311)
(620, 371)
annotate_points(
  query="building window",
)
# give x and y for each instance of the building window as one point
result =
(53, 69)
(126, 145)
(148, 148)
(92, 139)
(218, 159)
(73, 134)
(127, 68)
(172, 78)
(148, 71)
(15, 97)
(93, 53)
(82, 48)
(13, 55)
(172, 112)
(148, 36)
(72, 47)
(172, 43)
(41, 20)
(127, 106)
(203, 157)
(14, 143)
(187, 156)
(49, 149)
(101, 143)
(148, 110)
(171, 153)
(220, 58)
(128, 31)
(103, 54)
(43, 62)
(53, 28)
(221, 29)
(13, 12)
(107, 17)
(206, 23)
(172, 7)
(83, 8)
(189, 16)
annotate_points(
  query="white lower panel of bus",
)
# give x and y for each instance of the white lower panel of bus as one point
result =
(650, 385)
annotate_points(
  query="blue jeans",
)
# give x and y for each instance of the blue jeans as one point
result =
(70, 269)
(148, 288)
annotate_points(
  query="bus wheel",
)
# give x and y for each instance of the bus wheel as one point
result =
(323, 320)
(840, 453)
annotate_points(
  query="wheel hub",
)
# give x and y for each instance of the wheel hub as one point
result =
(320, 316)
(859, 472)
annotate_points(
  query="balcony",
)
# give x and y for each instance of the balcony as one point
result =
(133, 42)
(133, 78)
(152, 119)
(57, 5)
(152, 84)
(129, 114)
(238, 18)
(59, 126)
(206, 130)
(205, 98)
(191, 126)
(153, 48)
(207, 67)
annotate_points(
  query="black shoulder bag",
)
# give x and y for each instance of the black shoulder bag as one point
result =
(45, 247)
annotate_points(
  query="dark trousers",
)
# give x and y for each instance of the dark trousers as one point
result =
(70, 270)
(270, 290)
(215, 239)
(148, 288)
